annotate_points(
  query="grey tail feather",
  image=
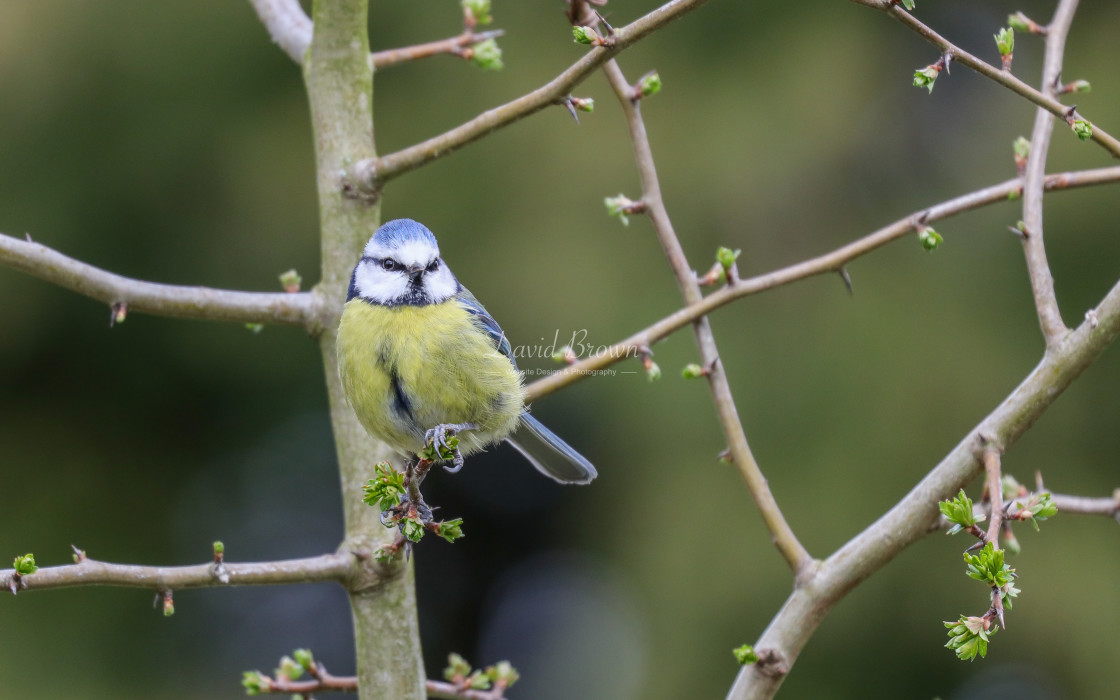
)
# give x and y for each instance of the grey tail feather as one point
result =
(549, 454)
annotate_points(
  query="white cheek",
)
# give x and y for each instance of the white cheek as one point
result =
(378, 284)
(442, 284)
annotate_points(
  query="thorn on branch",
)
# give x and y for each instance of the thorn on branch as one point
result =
(118, 311)
(843, 271)
(578, 104)
(579, 11)
(79, 554)
(653, 372)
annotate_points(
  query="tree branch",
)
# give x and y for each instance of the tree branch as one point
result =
(788, 545)
(1042, 282)
(1005, 78)
(339, 566)
(917, 512)
(1084, 505)
(370, 174)
(454, 45)
(324, 682)
(827, 263)
(992, 463)
(286, 24)
(293, 309)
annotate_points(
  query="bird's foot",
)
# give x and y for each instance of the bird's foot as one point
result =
(445, 445)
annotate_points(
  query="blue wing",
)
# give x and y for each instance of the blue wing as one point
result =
(486, 322)
(543, 448)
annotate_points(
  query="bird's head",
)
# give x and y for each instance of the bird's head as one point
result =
(401, 266)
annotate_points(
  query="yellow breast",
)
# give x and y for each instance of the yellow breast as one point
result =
(406, 369)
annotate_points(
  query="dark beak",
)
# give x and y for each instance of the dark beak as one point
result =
(415, 272)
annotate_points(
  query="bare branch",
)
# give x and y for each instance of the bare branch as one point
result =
(293, 309)
(287, 25)
(455, 45)
(917, 513)
(827, 263)
(1042, 282)
(1083, 505)
(341, 567)
(788, 545)
(325, 682)
(369, 175)
(1005, 78)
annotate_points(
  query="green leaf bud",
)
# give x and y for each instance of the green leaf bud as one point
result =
(290, 281)
(1083, 129)
(1005, 41)
(650, 84)
(255, 328)
(25, 565)
(927, 76)
(479, 10)
(457, 666)
(929, 238)
(585, 35)
(745, 655)
(451, 530)
(304, 658)
(255, 682)
(503, 673)
(487, 55)
(908, 4)
(693, 371)
(727, 257)
(412, 528)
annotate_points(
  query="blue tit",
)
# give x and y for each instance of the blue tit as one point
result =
(421, 359)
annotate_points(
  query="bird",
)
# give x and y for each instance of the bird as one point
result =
(421, 360)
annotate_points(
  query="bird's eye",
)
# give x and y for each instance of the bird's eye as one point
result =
(389, 264)
(433, 265)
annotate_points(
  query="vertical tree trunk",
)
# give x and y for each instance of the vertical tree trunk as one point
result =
(340, 87)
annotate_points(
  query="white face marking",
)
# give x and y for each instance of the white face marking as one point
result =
(397, 286)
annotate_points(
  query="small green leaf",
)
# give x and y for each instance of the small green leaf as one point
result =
(451, 530)
(1022, 23)
(255, 328)
(959, 512)
(745, 655)
(1079, 86)
(384, 491)
(653, 370)
(412, 528)
(1021, 147)
(289, 668)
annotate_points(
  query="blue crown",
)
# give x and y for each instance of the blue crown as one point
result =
(393, 233)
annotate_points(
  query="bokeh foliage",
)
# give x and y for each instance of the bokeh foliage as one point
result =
(169, 141)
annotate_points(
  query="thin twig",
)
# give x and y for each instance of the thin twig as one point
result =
(827, 263)
(293, 309)
(790, 547)
(337, 566)
(325, 682)
(1005, 78)
(369, 175)
(995, 491)
(1042, 282)
(1083, 505)
(287, 24)
(915, 515)
(455, 45)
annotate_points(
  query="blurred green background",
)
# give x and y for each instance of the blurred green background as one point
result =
(170, 142)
